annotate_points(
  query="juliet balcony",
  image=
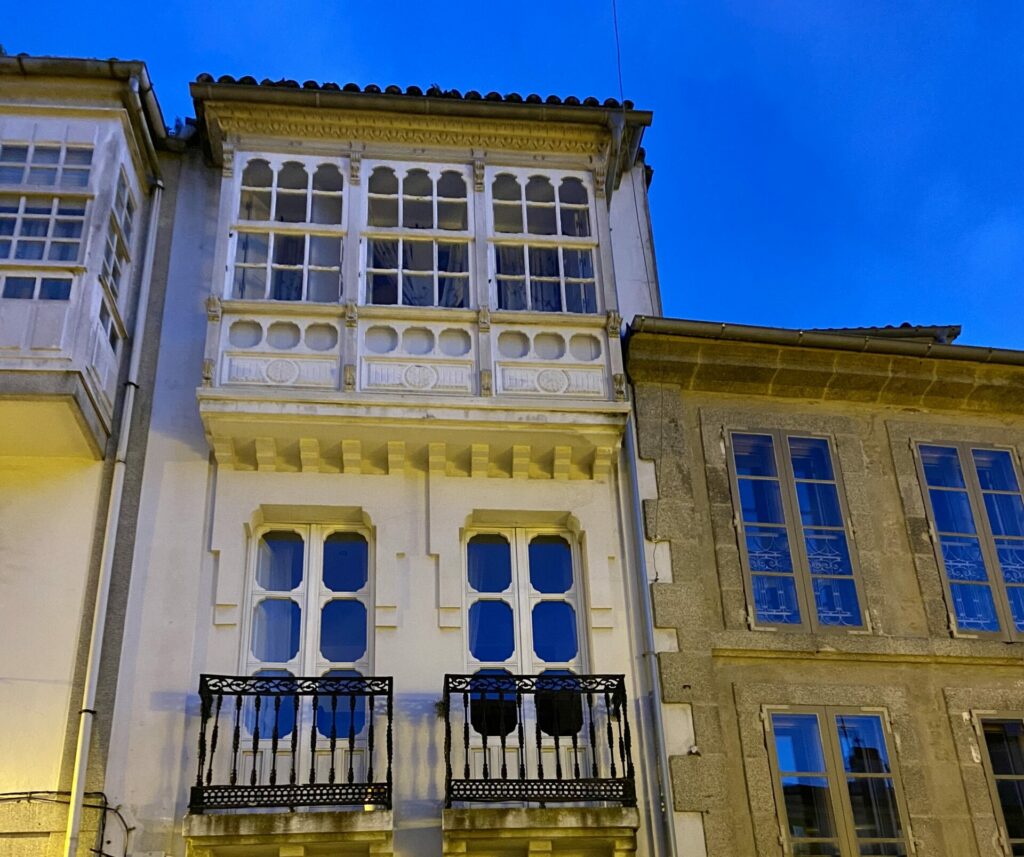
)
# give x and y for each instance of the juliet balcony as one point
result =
(280, 741)
(292, 386)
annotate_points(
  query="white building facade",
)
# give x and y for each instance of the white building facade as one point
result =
(384, 594)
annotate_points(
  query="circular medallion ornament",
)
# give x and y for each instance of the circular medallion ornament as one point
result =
(552, 380)
(282, 371)
(420, 377)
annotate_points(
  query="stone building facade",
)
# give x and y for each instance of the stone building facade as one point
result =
(835, 539)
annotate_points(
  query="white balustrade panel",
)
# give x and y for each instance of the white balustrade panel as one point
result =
(282, 351)
(427, 357)
(543, 361)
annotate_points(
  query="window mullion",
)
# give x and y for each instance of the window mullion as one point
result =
(521, 584)
(986, 539)
(794, 530)
(836, 772)
(313, 599)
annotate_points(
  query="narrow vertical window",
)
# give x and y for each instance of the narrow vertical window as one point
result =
(977, 517)
(793, 532)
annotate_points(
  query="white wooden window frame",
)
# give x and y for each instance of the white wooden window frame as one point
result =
(526, 239)
(307, 229)
(402, 233)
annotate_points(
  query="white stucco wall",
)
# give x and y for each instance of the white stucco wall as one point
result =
(47, 513)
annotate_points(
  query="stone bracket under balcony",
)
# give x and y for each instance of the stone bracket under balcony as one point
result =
(584, 832)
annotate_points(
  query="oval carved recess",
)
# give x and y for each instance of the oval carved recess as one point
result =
(553, 380)
(420, 377)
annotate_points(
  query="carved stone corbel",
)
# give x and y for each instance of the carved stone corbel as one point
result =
(619, 386)
(355, 165)
(613, 324)
(486, 383)
(208, 369)
(228, 165)
(351, 314)
(214, 308)
(478, 174)
(349, 374)
(483, 319)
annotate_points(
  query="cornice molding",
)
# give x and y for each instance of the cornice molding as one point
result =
(232, 121)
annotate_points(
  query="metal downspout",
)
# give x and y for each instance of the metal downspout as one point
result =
(87, 712)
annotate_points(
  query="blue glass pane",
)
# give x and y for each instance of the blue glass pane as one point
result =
(1005, 514)
(346, 712)
(490, 631)
(279, 567)
(775, 600)
(809, 813)
(819, 504)
(995, 470)
(754, 455)
(952, 511)
(974, 608)
(827, 552)
(963, 559)
(836, 601)
(768, 549)
(862, 742)
(811, 458)
(1015, 594)
(1005, 742)
(798, 743)
(343, 630)
(761, 501)
(1011, 559)
(942, 467)
(275, 630)
(285, 714)
(1011, 798)
(554, 631)
(550, 564)
(489, 561)
(345, 562)
(875, 814)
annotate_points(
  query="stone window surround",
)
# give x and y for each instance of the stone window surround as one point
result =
(847, 448)
(794, 529)
(755, 701)
(1008, 631)
(966, 708)
(904, 435)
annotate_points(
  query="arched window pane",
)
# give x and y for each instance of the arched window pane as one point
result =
(275, 630)
(384, 181)
(343, 630)
(572, 192)
(550, 564)
(349, 712)
(451, 185)
(506, 187)
(489, 558)
(417, 213)
(293, 176)
(279, 567)
(554, 631)
(490, 631)
(284, 715)
(257, 173)
(345, 561)
(327, 178)
(539, 189)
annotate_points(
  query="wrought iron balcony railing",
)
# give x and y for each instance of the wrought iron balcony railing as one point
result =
(552, 738)
(287, 741)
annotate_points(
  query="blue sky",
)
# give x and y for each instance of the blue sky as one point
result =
(817, 163)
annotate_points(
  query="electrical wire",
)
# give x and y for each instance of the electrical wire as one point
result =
(56, 797)
(649, 281)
